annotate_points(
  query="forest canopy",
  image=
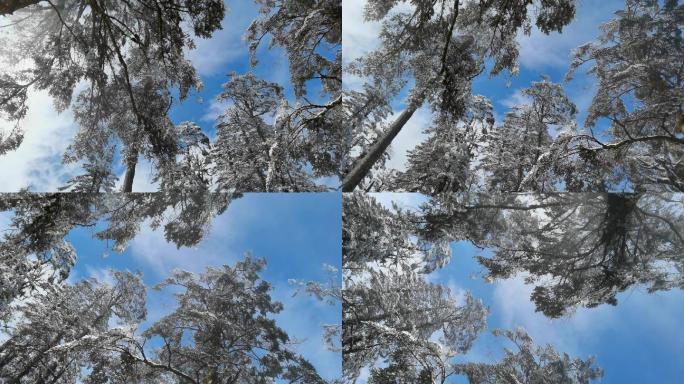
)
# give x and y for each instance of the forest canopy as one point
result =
(431, 57)
(401, 326)
(121, 70)
(70, 312)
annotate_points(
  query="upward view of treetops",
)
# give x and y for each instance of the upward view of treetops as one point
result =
(433, 57)
(125, 75)
(200, 315)
(402, 318)
(341, 191)
(405, 320)
(121, 69)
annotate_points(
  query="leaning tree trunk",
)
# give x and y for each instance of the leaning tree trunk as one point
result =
(8, 7)
(364, 165)
(130, 174)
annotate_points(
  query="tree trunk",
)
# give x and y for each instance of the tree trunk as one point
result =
(363, 165)
(8, 7)
(130, 174)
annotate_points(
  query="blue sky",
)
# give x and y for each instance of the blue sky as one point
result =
(296, 233)
(37, 163)
(540, 54)
(637, 341)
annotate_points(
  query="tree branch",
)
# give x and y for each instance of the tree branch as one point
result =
(8, 7)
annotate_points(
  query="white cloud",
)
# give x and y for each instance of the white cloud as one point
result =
(5, 220)
(516, 99)
(227, 48)
(364, 375)
(358, 36)
(211, 55)
(513, 306)
(215, 110)
(102, 275)
(153, 251)
(37, 162)
(539, 51)
(143, 181)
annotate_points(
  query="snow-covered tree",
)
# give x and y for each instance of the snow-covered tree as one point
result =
(594, 250)
(406, 329)
(364, 114)
(395, 312)
(515, 147)
(311, 34)
(389, 309)
(474, 154)
(632, 136)
(439, 47)
(37, 255)
(253, 154)
(372, 233)
(631, 139)
(119, 66)
(267, 143)
(222, 331)
(641, 95)
(578, 249)
(61, 330)
(531, 364)
(227, 313)
(444, 162)
(122, 59)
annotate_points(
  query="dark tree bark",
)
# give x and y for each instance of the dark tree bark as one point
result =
(363, 165)
(130, 174)
(8, 7)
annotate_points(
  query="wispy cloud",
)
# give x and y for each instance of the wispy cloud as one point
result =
(358, 36)
(513, 308)
(37, 163)
(540, 51)
(215, 110)
(211, 55)
(517, 98)
(157, 255)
